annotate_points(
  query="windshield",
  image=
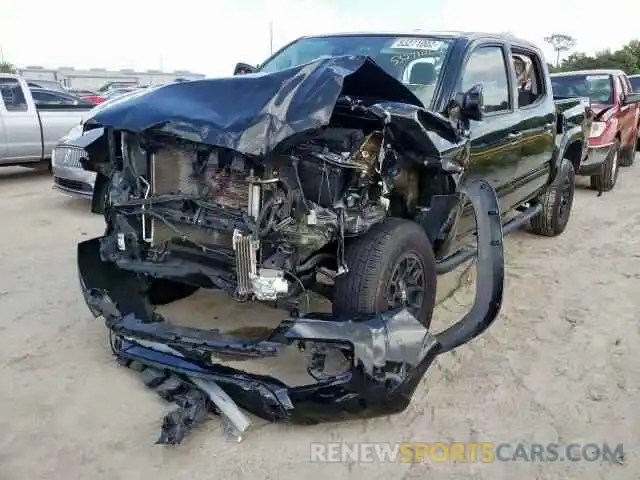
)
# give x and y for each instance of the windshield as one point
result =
(414, 61)
(635, 84)
(599, 88)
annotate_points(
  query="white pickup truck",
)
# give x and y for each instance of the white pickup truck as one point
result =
(30, 128)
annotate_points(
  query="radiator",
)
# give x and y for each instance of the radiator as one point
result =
(173, 172)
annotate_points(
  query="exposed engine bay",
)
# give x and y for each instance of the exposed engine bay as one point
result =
(258, 197)
(259, 230)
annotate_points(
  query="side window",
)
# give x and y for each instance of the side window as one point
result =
(626, 85)
(529, 79)
(487, 66)
(12, 95)
(44, 98)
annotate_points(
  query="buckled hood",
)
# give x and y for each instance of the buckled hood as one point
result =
(254, 113)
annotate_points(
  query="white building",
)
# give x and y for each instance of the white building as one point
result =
(95, 78)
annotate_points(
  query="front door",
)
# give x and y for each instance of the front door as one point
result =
(495, 146)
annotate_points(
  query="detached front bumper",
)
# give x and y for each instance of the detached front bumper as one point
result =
(390, 351)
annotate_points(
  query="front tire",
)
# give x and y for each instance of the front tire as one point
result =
(390, 266)
(608, 176)
(557, 202)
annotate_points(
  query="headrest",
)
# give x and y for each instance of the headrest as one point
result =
(422, 73)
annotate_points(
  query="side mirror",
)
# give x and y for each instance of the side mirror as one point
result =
(243, 69)
(471, 103)
(631, 98)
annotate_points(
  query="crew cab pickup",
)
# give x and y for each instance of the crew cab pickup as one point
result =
(29, 129)
(615, 116)
(352, 165)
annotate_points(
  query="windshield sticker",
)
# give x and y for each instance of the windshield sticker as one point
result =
(403, 58)
(417, 44)
(597, 77)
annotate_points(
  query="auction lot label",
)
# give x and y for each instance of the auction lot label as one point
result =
(416, 44)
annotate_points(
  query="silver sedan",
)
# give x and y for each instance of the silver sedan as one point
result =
(68, 175)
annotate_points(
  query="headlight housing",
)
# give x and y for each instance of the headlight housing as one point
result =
(597, 129)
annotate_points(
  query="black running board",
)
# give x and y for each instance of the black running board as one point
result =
(456, 259)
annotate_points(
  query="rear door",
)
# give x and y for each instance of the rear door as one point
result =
(535, 122)
(21, 125)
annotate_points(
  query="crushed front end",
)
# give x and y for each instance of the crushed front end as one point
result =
(262, 206)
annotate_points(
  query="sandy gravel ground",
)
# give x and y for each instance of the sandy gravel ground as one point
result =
(558, 366)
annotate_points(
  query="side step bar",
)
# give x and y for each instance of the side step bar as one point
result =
(453, 261)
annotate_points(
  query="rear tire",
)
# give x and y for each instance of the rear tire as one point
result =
(608, 176)
(557, 202)
(377, 260)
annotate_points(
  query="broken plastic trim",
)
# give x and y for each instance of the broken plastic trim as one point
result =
(391, 350)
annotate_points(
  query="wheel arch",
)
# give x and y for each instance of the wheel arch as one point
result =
(573, 153)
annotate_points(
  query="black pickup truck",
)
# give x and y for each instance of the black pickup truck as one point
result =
(350, 165)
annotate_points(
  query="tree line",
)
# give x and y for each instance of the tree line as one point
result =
(6, 67)
(626, 58)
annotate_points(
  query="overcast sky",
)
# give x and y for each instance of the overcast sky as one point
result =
(210, 36)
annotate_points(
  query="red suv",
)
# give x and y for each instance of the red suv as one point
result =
(616, 120)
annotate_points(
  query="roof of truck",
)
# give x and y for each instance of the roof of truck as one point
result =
(470, 36)
(595, 71)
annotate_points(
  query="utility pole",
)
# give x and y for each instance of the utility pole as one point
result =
(1, 55)
(270, 38)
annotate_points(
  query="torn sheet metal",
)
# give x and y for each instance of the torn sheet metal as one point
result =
(282, 104)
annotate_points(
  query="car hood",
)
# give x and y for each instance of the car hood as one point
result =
(112, 101)
(254, 113)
